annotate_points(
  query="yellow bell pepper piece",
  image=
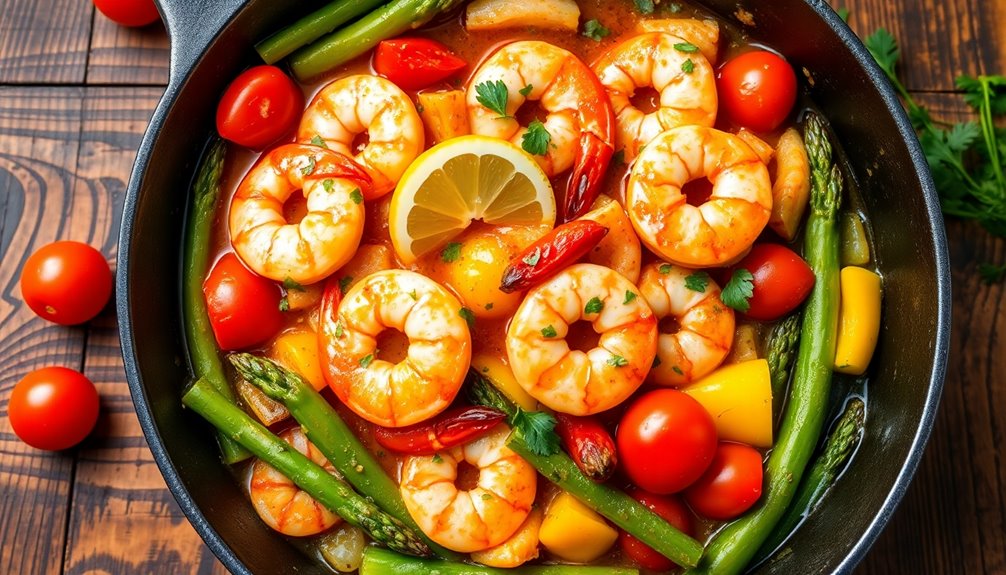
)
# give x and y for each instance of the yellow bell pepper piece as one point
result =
(739, 398)
(859, 320)
(298, 351)
(520, 548)
(502, 377)
(574, 532)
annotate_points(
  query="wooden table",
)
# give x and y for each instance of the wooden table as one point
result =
(75, 95)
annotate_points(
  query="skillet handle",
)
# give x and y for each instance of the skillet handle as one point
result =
(192, 25)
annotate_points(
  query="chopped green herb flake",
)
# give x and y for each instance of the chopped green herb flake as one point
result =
(697, 281)
(594, 30)
(665, 269)
(629, 296)
(686, 47)
(319, 141)
(339, 329)
(674, 7)
(366, 360)
(437, 458)
(344, 284)
(489, 306)
(688, 66)
(451, 252)
(468, 315)
(644, 6)
(420, 109)
(309, 168)
(536, 139)
(357, 196)
(493, 95)
(677, 370)
(738, 290)
(328, 184)
(284, 304)
(538, 430)
(290, 285)
(594, 305)
(414, 295)
(486, 497)
(617, 361)
(532, 258)
(526, 90)
(548, 331)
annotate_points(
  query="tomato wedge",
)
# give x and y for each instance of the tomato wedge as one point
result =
(415, 63)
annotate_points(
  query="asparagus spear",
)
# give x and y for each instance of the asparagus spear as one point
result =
(326, 488)
(613, 504)
(734, 546)
(311, 27)
(781, 347)
(820, 476)
(377, 561)
(330, 434)
(198, 332)
(349, 42)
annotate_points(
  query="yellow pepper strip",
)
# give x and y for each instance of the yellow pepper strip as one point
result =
(739, 398)
(298, 351)
(499, 373)
(859, 320)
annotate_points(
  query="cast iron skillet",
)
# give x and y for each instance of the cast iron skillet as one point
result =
(211, 41)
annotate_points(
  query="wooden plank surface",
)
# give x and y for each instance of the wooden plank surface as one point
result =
(65, 154)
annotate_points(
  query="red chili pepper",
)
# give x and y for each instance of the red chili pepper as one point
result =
(589, 166)
(544, 258)
(451, 428)
(589, 444)
(414, 63)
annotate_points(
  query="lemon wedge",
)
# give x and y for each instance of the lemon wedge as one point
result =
(462, 180)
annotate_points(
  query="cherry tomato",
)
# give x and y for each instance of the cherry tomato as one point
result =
(673, 511)
(414, 63)
(129, 12)
(757, 90)
(666, 440)
(782, 280)
(259, 107)
(66, 282)
(730, 486)
(243, 306)
(53, 408)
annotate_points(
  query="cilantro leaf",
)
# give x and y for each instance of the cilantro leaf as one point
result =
(617, 361)
(686, 47)
(451, 252)
(594, 30)
(697, 281)
(548, 331)
(339, 330)
(536, 139)
(665, 269)
(594, 305)
(493, 95)
(366, 360)
(526, 90)
(538, 430)
(437, 459)
(357, 196)
(284, 304)
(469, 317)
(738, 290)
(328, 184)
(629, 296)
(289, 284)
(309, 168)
(688, 66)
(644, 6)
(317, 140)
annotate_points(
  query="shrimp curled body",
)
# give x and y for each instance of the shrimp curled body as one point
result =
(427, 379)
(482, 517)
(570, 380)
(359, 104)
(324, 239)
(723, 227)
(684, 80)
(705, 324)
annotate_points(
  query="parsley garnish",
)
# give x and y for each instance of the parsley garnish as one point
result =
(493, 95)
(664, 269)
(677, 370)
(738, 290)
(629, 296)
(532, 258)
(594, 30)
(594, 305)
(339, 329)
(290, 284)
(468, 315)
(688, 66)
(538, 430)
(697, 281)
(284, 304)
(526, 90)
(437, 458)
(451, 252)
(413, 295)
(644, 6)
(617, 361)
(357, 196)
(548, 331)
(366, 360)
(674, 7)
(686, 47)
(489, 306)
(328, 184)
(318, 141)
(536, 139)
(486, 496)
(344, 284)
(309, 168)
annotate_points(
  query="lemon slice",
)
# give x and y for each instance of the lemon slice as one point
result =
(462, 180)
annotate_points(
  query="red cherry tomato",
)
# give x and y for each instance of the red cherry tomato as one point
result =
(673, 511)
(243, 306)
(414, 63)
(129, 12)
(53, 408)
(730, 486)
(66, 282)
(259, 107)
(666, 440)
(757, 90)
(782, 280)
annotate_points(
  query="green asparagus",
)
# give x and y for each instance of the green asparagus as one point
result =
(311, 27)
(349, 42)
(330, 434)
(377, 561)
(613, 504)
(781, 349)
(202, 346)
(327, 489)
(821, 475)
(736, 544)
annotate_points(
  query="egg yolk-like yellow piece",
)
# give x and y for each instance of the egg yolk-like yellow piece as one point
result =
(476, 273)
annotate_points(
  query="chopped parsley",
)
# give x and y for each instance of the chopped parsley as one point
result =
(594, 305)
(617, 361)
(344, 284)
(548, 331)
(738, 290)
(688, 66)
(486, 496)
(357, 196)
(493, 95)
(644, 6)
(437, 458)
(697, 281)
(309, 168)
(451, 252)
(629, 296)
(536, 139)
(526, 90)
(538, 430)
(284, 304)
(339, 329)
(489, 306)
(468, 315)
(289, 284)
(366, 360)
(664, 269)
(317, 140)
(686, 47)
(328, 184)
(677, 370)
(594, 30)
(413, 295)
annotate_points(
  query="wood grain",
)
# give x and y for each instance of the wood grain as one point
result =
(127, 56)
(44, 42)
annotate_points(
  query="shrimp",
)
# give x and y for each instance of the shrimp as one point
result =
(570, 380)
(435, 362)
(482, 517)
(791, 187)
(619, 249)
(324, 239)
(704, 34)
(720, 229)
(687, 91)
(705, 325)
(350, 106)
(280, 503)
(578, 114)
